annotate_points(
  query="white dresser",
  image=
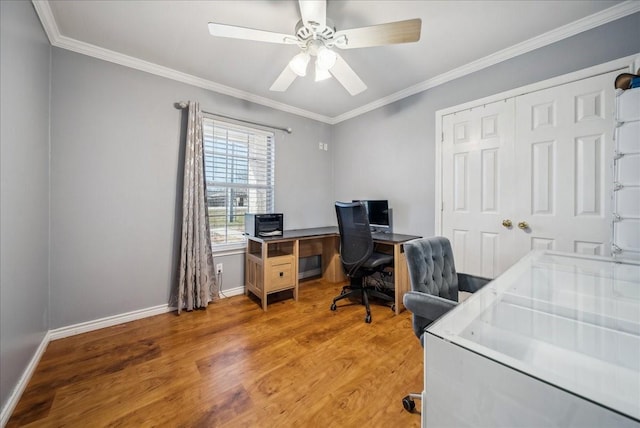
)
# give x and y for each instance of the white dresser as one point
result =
(626, 210)
(553, 342)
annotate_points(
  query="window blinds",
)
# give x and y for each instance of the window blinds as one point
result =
(239, 169)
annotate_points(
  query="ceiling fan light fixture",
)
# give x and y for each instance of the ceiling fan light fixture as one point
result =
(321, 73)
(326, 58)
(299, 63)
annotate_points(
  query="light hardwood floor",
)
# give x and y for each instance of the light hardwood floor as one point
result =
(297, 365)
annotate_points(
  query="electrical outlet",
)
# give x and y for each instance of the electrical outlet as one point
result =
(320, 145)
(326, 147)
(219, 268)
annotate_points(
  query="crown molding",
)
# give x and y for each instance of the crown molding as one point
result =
(47, 19)
(169, 73)
(56, 39)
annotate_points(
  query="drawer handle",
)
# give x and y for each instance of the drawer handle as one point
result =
(281, 274)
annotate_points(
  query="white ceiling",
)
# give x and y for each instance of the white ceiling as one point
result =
(171, 38)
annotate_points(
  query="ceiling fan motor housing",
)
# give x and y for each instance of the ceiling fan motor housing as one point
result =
(313, 32)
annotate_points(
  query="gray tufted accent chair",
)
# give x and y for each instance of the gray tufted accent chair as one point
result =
(434, 281)
(434, 287)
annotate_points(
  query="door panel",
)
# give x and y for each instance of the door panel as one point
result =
(564, 157)
(477, 150)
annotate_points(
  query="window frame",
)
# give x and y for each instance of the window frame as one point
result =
(263, 143)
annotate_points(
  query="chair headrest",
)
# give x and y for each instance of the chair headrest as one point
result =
(431, 267)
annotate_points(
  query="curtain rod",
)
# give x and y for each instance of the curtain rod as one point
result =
(183, 104)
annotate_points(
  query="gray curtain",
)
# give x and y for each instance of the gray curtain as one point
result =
(197, 285)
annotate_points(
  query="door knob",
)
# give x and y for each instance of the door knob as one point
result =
(523, 225)
(507, 223)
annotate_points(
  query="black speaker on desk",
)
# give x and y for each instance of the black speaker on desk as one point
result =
(263, 225)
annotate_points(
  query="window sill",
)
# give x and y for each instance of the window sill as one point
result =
(229, 249)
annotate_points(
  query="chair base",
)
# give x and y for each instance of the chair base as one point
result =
(356, 288)
(408, 402)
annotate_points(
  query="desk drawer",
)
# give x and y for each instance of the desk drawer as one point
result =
(280, 274)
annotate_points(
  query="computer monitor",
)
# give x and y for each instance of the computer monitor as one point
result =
(378, 213)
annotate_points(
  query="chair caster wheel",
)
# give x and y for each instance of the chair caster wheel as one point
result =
(408, 404)
(393, 308)
(333, 307)
(367, 319)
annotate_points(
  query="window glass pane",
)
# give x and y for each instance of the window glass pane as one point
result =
(227, 207)
(239, 169)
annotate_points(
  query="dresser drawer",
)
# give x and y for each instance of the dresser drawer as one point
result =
(280, 275)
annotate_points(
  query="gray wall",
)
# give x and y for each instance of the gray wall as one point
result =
(398, 139)
(24, 195)
(116, 184)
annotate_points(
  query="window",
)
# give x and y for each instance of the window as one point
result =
(239, 169)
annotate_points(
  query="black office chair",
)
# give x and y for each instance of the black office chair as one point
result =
(434, 287)
(358, 258)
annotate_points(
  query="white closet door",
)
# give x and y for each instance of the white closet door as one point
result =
(477, 171)
(543, 159)
(564, 158)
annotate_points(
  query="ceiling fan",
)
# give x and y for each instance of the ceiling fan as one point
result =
(316, 36)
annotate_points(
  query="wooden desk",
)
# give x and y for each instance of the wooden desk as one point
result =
(272, 262)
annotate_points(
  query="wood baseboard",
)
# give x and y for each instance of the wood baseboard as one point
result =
(17, 391)
(84, 327)
(237, 291)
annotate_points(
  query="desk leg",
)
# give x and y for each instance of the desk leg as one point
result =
(263, 290)
(401, 276)
(296, 268)
(247, 270)
(332, 270)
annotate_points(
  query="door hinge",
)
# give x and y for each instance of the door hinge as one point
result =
(617, 186)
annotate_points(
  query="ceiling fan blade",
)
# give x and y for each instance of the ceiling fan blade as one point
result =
(234, 32)
(314, 12)
(347, 77)
(384, 34)
(283, 81)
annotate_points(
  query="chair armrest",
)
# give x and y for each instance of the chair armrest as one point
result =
(426, 305)
(470, 283)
